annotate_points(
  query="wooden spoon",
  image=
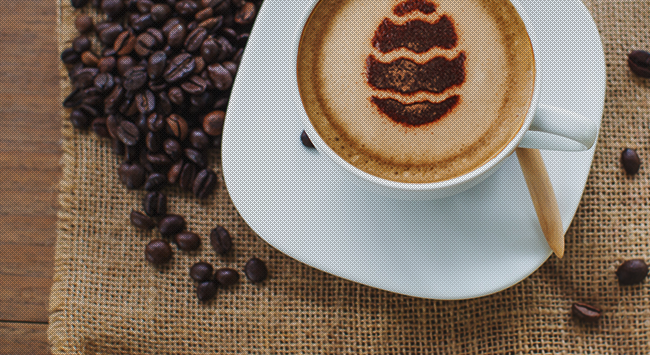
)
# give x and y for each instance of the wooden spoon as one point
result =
(543, 196)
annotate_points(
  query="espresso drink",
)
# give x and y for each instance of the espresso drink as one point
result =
(416, 90)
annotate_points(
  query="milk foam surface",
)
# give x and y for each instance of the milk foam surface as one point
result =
(494, 98)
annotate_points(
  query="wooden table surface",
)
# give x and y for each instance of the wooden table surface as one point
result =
(30, 150)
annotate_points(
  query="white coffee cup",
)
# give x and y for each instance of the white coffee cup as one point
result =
(545, 127)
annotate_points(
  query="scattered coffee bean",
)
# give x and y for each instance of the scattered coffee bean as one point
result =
(112, 8)
(187, 241)
(632, 272)
(213, 123)
(304, 138)
(171, 225)
(155, 204)
(188, 174)
(204, 183)
(199, 139)
(201, 271)
(177, 126)
(131, 175)
(141, 221)
(226, 276)
(179, 68)
(81, 44)
(220, 240)
(196, 157)
(586, 312)
(246, 14)
(155, 182)
(206, 290)
(158, 252)
(128, 133)
(255, 270)
(639, 62)
(70, 56)
(83, 23)
(631, 161)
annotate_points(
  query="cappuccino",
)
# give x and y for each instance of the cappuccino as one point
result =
(416, 91)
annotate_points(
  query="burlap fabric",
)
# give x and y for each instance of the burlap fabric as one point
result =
(107, 300)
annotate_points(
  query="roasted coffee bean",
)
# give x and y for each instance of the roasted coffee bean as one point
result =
(128, 133)
(84, 77)
(220, 76)
(104, 82)
(179, 68)
(195, 39)
(187, 176)
(231, 67)
(631, 161)
(146, 102)
(238, 3)
(204, 14)
(109, 33)
(156, 65)
(158, 252)
(159, 162)
(174, 172)
(229, 34)
(78, 3)
(632, 272)
(135, 78)
(89, 58)
(142, 22)
(154, 142)
(79, 119)
(176, 95)
(131, 175)
(124, 43)
(242, 39)
(586, 312)
(155, 182)
(187, 241)
(199, 103)
(141, 122)
(160, 12)
(91, 111)
(220, 240)
(246, 14)
(124, 64)
(81, 44)
(199, 139)
(155, 204)
(176, 35)
(212, 24)
(222, 7)
(112, 123)
(237, 56)
(157, 86)
(113, 8)
(107, 64)
(194, 86)
(173, 148)
(102, 26)
(70, 56)
(171, 225)
(177, 126)
(155, 122)
(74, 98)
(255, 270)
(226, 276)
(210, 49)
(206, 290)
(113, 101)
(201, 271)
(145, 44)
(144, 6)
(204, 183)
(142, 221)
(213, 123)
(639, 62)
(304, 138)
(164, 106)
(98, 126)
(227, 49)
(186, 8)
(83, 23)
(117, 147)
(196, 157)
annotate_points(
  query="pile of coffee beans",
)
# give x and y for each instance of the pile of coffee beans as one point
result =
(155, 77)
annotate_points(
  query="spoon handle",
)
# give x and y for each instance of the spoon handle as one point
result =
(543, 196)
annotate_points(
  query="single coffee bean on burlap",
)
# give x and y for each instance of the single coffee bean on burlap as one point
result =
(204, 183)
(206, 290)
(304, 138)
(155, 204)
(83, 23)
(639, 62)
(220, 240)
(171, 225)
(141, 220)
(255, 270)
(630, 161)
(201, 271)
(632, 272)
(131, 175)
(586, 312)
(158, 252)
(187, 241)
(226, 276)
(155, 182)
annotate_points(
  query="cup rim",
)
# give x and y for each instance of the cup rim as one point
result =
(321, 146)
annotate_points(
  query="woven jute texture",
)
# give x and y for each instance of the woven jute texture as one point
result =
(107, 299)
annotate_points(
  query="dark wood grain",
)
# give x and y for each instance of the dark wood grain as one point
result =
(29, 171)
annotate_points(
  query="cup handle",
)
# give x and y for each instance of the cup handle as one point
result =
(575, 132)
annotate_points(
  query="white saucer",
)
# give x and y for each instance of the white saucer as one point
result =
(473, 244)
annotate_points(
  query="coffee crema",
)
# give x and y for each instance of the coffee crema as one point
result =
(416, 91)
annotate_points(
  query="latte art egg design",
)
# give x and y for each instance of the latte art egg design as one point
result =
(404, 76)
